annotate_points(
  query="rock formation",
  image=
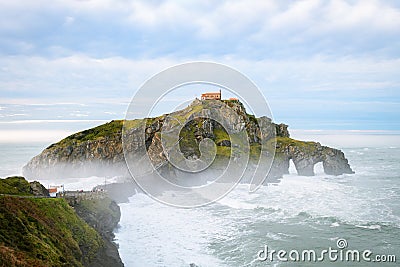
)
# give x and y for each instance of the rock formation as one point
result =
(99, 151)
(306, 154)
(37, 189)
(103, 215)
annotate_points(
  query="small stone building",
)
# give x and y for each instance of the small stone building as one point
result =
(211, 96)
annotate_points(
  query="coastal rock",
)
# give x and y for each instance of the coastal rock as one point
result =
(103, 215)
(306, 154)
(282, 130)
(335, 162)
(99, 151)
(37, 189)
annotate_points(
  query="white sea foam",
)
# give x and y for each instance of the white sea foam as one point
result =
(335, 224)
(153, 234)
(319, 196)
(371, 227)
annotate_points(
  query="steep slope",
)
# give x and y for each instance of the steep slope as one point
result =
(40, 231)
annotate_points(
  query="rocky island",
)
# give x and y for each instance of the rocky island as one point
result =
(100, 151)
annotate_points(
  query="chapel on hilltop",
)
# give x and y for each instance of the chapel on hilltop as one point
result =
(211, 96)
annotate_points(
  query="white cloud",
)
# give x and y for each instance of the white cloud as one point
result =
(167, 13)
(68, 77)
(23, 136)
(368, 14)
(78, 115)
(298, 14)
(209, 19)
(82, 80)
(16, 115)
(69, 20)
(232, 17)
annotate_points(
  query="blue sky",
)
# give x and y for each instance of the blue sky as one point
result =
(67, 65)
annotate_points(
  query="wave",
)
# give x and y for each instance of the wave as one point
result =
(153, 234)
(317, 196)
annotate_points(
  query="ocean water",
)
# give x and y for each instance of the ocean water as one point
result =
(13, 156)
(297, 213)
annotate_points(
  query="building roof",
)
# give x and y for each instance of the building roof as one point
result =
(52, 190)
(211, 93)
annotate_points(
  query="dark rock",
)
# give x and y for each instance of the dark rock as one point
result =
(224, 143)
(282, 130)
(335, 163)
(37, 189)
(306, 154)
(103, 215)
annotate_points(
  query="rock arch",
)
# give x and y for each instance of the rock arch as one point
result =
(306, 154)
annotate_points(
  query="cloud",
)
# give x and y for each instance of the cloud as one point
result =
(115, 79)
(262, 29)
(370, 14)
(69, 20)
(20, 136)
(66, 78)
(98, 53)
(299, 14)
(86, 87)
(167, 13)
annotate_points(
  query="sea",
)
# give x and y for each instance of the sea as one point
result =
(297, 221)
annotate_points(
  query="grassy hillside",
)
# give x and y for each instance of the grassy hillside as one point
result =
(40, 231)
(44, 232)
(110, 129)
(15, 186)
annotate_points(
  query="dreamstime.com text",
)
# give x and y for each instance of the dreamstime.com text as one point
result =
(338, 254)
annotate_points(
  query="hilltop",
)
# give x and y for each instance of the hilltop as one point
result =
(99, 150)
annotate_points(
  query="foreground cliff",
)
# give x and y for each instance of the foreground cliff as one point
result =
(40, 231)
(99, 151)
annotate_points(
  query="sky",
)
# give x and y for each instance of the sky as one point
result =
(68, 65)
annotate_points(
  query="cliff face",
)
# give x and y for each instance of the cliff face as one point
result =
(103, 215)
(99, 151)
(96, 151)
(40, 231)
